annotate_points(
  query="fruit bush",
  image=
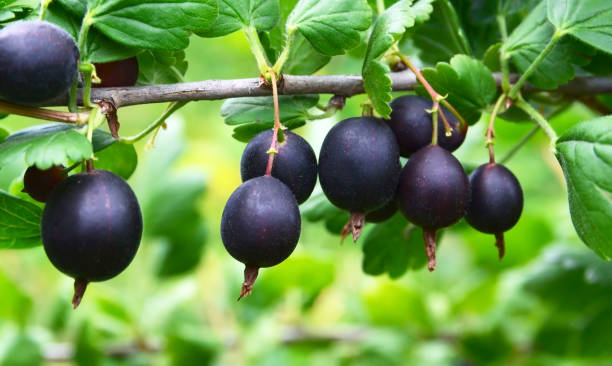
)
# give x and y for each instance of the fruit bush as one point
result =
(411, 115)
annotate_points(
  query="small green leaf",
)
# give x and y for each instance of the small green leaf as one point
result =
(318, 208)
(19, 223)
(235, 14)
(388, 29)
(393, 247)
(119, 158)
(331, 26)
(468, 83)
(527, 42)
(239, 111)
(153, 24)
(13, 13)
(585, 154)
(46, 145)
(303, 58)
(588, 20)
(245, 132)
(161, 67)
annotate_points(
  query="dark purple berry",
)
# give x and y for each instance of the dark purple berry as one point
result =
(260, 226)
(384, 213)
(496, 202)
(91, 227)
(412, 125)
(38, 62)
(359, 167)
(295, 164)
(433, 193)
(40, 183)
(119, 73)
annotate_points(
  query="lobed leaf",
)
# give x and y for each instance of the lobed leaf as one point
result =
(331, 26)
(585, 154)
(161, 67)
(393, 247)
(19, 223)
(468, 83)
(46, 145)
(528, 40)
(235, 14)
(588, 20)
(153, 24)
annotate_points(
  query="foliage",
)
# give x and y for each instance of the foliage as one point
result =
(545, 303)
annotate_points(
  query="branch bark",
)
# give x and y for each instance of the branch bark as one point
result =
(341, 85)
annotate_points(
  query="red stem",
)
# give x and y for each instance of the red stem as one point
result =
(250, 275)
(277, 125)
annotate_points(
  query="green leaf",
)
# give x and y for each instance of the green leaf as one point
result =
(388, 29)
(239, 111)
(161, 67)
(153, 24)
(442, 36)
(393, 247)
(235, 14)
(468, 83)
(245, 132)
(46, 145)
(331, 26)
(303, 58)
(188, 345)
(13, 13)
(527, 42)
(588, 20)
(318, 208)
(19, 223)
(585, 154)
(119, 158)
(3, 134)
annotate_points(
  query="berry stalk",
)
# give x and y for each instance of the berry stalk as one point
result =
(277, 125)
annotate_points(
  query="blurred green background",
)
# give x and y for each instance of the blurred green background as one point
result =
(548, 302)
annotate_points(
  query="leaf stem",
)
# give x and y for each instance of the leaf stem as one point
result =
(44, 114)
(284, 56)
(434, 121)
(538, 118)
(435, 97)
(257, 49)
(44, 4)
(519, 145)
(277, 126)
(491, 129)
(503, 58)
(170, 109)
(534, 65)
(380, 6)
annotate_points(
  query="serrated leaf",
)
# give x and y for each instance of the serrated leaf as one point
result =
(585, 154)
(331, 26)
(303, 58)
(527, 42)
(19, 223)
(153, 24)
(468, 83)
(13, 13)
(161, 67)
(393, 247)
(588, 20)
(388, 29)
(239, 111)
(235, 14)
(45, 146)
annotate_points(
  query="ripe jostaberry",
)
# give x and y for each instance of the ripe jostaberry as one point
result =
(91, 228)
(121, 73)
(260, 226)
(359, 167)
(496, 202)
(38, 62)
(295, 163)
(40, 183)
(413, 126)
(433, 193)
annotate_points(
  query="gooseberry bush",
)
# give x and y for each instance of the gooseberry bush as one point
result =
(451, 64)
